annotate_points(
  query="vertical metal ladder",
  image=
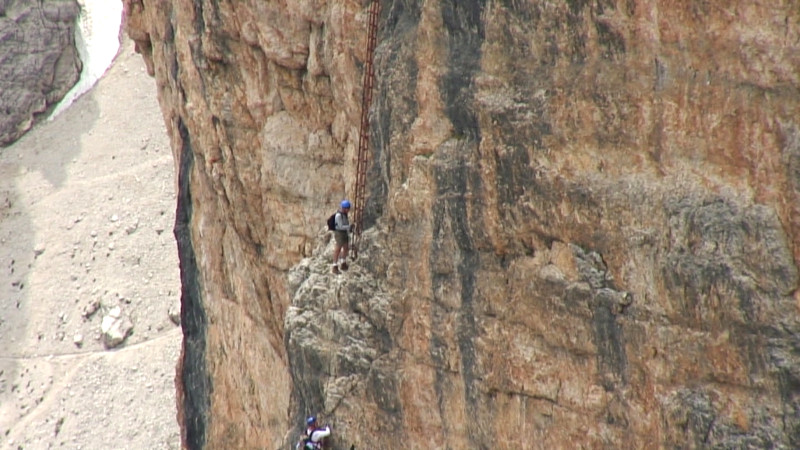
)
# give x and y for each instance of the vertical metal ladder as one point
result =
(363, 138)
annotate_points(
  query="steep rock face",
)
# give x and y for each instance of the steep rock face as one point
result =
(39, 62)
(582, 226)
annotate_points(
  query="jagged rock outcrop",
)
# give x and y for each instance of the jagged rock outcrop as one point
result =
(39, 61)
(582, 228)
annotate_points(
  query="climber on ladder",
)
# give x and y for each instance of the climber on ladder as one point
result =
(340, 225)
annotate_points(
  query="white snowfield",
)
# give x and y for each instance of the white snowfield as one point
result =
(98, 38)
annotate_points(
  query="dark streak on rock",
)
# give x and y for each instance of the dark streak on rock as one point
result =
(394, 107)
(196, 382)
(465, 33)
(307, 369)
(455, 177)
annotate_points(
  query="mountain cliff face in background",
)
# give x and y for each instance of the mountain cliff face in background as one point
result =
(39, 62)
(582, 227)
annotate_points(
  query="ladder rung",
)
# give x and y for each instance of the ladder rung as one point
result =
(366, 101)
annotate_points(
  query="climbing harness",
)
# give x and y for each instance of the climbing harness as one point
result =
(363, 138)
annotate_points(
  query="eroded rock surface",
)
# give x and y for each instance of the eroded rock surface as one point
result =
(39, 61)
(582, 227)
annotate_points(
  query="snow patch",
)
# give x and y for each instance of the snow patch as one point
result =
(97, 37)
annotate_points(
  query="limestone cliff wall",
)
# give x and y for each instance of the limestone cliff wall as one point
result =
(583, 223)
(39, 61)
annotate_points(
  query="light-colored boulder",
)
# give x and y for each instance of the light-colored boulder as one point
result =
(115, 327)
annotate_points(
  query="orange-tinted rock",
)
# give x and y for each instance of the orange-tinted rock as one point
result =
(582, 224)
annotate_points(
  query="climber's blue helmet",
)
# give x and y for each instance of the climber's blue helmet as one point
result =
(311, 420)
(345, 204)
